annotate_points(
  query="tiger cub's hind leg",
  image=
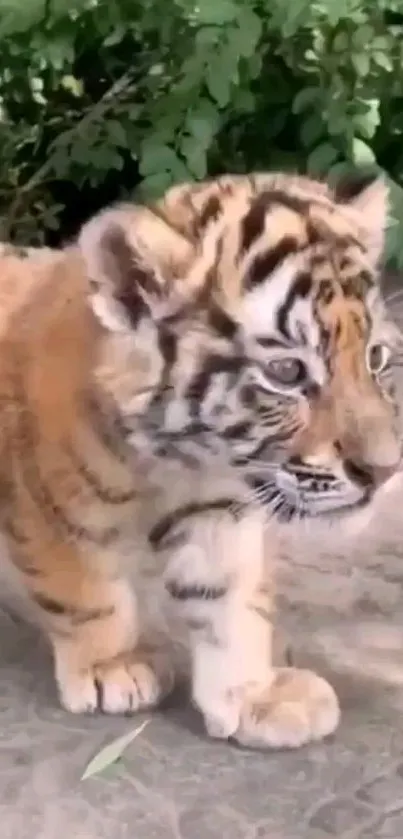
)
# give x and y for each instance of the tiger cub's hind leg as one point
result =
(99, 662)
(91, 622)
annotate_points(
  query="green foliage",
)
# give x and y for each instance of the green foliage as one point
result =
(145, 94)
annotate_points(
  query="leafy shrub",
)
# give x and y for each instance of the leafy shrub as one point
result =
(107, 98)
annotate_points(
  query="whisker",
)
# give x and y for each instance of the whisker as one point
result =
(249, 498)
(240, 504)
(258, 461)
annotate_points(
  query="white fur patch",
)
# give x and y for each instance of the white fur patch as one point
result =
(109, 313)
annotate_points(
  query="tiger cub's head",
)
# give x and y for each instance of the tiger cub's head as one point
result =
(244, 315)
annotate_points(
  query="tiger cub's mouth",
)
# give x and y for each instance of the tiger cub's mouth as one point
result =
(295, 491)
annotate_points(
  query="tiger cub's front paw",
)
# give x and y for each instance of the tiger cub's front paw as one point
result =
(299, 707)
(295, 708)
(126, 684)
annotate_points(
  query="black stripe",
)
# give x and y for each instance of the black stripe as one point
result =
(106, 424)
(213, 365)
(56, 516)
(221, 322)
(357, 285)
(171, 520)
(300, 288)
(167, 345)
(266, 490)
(253, 223)
(76, 614)
(226, 187)
(170, 451)
(351, 185)
(264, 612)
(265, 263)
(25, 566)
(129, 274)
(326, 292)
(209, 212)
(106, 494)
(239, 430)
(26, 441)
(311, 391)
(22, 555)
(186, 200)
(275, 436)
(269, 343)
(204, 296)
(216, 363)
(252, 180)
(194, 430)
(195, 591)
(248, 396)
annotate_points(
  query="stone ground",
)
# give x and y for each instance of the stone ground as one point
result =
(343, 611)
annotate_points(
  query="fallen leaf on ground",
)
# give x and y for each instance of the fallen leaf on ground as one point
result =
(111, 752)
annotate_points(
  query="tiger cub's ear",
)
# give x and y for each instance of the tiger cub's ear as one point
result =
(134, 259)
(368, 196)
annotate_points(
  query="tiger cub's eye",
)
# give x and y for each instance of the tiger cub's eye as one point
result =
(287, 371)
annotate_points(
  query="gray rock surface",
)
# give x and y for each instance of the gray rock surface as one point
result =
(342, 611)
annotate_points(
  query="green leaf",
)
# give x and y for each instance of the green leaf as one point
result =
(337, 10)
(115, 37)
(339, 170)
(361, 62)
(383, 60)
(206, 36)
(394, 233)
(218, 84)
(341, 43)
(156, 158)
(154, 186)
(244, 101)
(363, 36)
(192, 73)
(195, 157)
(322, 158)
(103, 158)
(367, 122)
(116, 133)
(216, 12)
(79, 152)
(246, 35)
(202, 123)
(112, 752)
(362, 154)
(179, 172)
(382, 43)
(304, 99)
(312, 130)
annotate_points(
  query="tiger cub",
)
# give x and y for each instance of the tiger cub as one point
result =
(185, 376)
